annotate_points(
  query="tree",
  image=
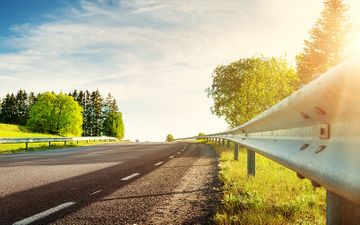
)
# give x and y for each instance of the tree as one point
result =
(326, 47)
(169, 138)
(21, 108)
(88, 111)
(200, 134)
(97, 118)
(56, 114)
(114, 125)
(110, 104)
(8, 109)
(244, 88)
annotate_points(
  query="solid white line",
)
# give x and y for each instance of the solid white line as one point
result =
(171, 156)
(159, 163)
(44, 214)
(96, 192)
(131, 176)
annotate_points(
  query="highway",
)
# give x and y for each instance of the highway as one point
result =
(140, 183)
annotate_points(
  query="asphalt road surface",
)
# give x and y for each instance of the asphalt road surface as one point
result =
(150, 183)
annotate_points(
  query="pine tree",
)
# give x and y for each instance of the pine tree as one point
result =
(88, 111)
(32, 99)
(110, 105)
(8, 109)
(22, 109)
(326, 47)
(97, 113)
(80, 98)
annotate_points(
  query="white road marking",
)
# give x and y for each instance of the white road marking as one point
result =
(159, 163)
(96, 192)
(44, 214)
(178, 152)
(171, 156)
(131, 176)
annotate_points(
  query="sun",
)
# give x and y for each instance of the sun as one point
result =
(353, 47)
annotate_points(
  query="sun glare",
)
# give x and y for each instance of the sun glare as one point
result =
(353, 46)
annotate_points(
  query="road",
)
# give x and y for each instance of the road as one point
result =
(150, 183)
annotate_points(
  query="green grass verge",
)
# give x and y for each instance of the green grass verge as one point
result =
(274, 196)
(16, 131)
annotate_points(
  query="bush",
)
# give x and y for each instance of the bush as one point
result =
(169, 138)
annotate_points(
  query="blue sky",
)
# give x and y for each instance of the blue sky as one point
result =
(156, 57)
(30, 11)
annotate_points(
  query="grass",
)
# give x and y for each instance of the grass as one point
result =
(16, 131)
(274, 196)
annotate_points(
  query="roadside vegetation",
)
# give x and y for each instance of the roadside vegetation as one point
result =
(78, 113)
(17, 131)
(246, 87)
(169, 138)
(274, 196)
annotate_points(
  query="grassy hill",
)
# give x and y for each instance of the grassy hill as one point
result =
(16, 131)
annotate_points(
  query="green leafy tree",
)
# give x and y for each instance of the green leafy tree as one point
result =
(169, 138)
(56, 114)
(114, 125)
(326, 46)
(244, 88)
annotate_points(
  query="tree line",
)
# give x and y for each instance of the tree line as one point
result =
(244, 88)
(45, 112)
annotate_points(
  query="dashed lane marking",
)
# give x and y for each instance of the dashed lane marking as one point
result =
(131, 176)
(95, 192)
(171, 156)
(158, 164)
(178, 153)
(44, 214)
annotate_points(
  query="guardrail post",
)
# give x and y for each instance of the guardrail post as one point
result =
(223, 142)
(250, 163)
(340, 210)
(236, 151)
(64, 142)
(27, 146)
(49, 143)
(228, 144)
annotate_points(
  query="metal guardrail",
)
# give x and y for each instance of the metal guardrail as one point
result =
(50, 140)
(316, 133)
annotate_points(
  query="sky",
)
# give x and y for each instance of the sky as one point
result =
(156, 57)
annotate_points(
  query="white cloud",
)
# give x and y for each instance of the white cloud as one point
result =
(155, 56)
